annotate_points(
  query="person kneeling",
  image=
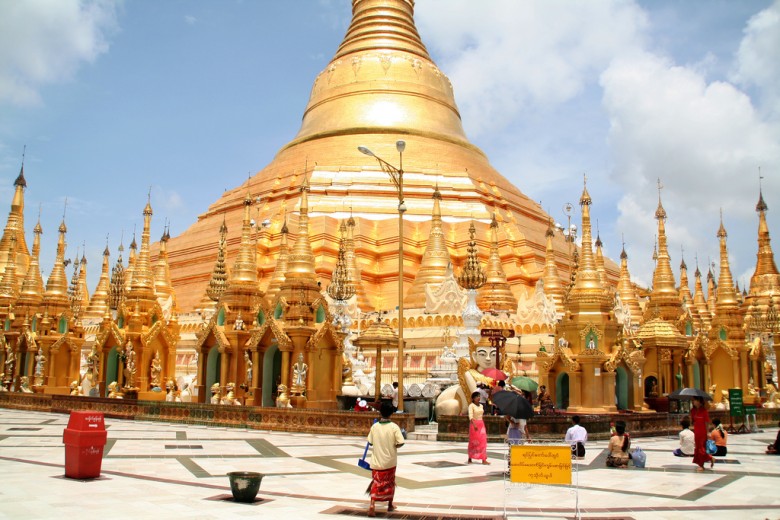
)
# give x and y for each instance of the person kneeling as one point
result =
(618, 447)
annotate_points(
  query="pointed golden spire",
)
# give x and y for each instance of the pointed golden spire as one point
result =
(55, 299)
(99, 303)
(496, 294)
(712, 291)
(117, 293)
(587, 284)
(627, 291)
(32, 287)
(244, 270)
(685, 289)
(352, 268)
(700, 302)
(665, 297)
(8, 283)
(142, 283)
(433, 267)
(600, 268)
(472, 276)
(131, 263)
(552, 281)
(219, 276)
(277, 279)
(83, 290)
(341, 286)
(14, 227)
(766, 279)
(727, 296)
(162, 273)
(300, 265)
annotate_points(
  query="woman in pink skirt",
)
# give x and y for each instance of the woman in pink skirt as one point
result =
(477, 432)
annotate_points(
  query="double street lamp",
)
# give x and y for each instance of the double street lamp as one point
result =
(397, 176)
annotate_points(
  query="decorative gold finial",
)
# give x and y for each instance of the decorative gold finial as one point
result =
(472, 276)
(341, 286)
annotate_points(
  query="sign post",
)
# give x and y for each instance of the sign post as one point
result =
(736, 409)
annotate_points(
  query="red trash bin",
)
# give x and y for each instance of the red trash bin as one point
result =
(84, 440)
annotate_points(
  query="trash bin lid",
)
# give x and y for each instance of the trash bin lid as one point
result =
(86, 421)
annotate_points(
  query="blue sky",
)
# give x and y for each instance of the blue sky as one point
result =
(189, 97)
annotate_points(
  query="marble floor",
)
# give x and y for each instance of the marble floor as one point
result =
(167, 471)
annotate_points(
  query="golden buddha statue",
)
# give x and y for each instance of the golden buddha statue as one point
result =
(216, 395)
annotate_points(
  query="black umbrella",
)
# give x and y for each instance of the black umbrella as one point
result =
(689, 393)
(513, 404)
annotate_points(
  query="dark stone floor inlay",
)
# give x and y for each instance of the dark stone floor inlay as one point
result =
(439, 464)
(183, 447)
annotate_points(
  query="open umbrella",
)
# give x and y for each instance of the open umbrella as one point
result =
(524, 383)
(513, 404)
(494, 373)
(682, 394)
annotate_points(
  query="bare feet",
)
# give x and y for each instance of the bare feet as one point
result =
(390, 507)
(712, 463)
(700, 468)
(371, 512)
(468, 461)
(485, 462)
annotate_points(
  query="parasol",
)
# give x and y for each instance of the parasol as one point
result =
(494, 373)
(524, 383)
(513, 404)
(689, 393)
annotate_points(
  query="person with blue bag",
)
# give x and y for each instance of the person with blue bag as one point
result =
(385, 437)
(716, 445)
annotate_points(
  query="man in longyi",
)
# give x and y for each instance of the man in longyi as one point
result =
(385, 438)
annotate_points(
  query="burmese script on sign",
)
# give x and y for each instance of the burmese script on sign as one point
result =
(540, 464)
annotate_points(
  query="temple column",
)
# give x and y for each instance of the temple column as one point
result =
(224, 368)
(666, 382)
(201, 375)
(258, 358)
(575, 389)
(286, 368)
(608, 391)
(74, 357)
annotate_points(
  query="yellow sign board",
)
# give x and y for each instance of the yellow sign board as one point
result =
(536, 464)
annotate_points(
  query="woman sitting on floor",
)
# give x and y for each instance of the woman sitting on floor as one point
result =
(618, 447)
(719, 435)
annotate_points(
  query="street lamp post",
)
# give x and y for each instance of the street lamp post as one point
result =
(397, 176)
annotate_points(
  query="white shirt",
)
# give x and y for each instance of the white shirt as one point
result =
(576, 434)
(385, 438)
(687, 442)
(395, 397)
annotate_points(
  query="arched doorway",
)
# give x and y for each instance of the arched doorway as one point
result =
(651, 385)
(697, 376)
(562, 391)
(213, 365)
(112, 368)
(622, 380)
(272, 369)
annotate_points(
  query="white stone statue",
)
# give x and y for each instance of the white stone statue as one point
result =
(216, 396)
(300, 370)
(186, 396)
(282, 399)
(40, 364)
(24, 385)
(454, 400)
(230, 396)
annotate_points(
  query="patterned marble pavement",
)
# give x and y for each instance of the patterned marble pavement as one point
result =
(168, 471)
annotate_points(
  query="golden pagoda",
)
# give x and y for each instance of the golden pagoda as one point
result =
(496, 295)
(99, 303)
(14, 227)
(381, 86)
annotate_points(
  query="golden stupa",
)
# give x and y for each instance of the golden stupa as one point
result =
(380, 87)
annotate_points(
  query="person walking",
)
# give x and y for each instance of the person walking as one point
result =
(385, 438)
(477, 432)
(720, 437)
(517, 430)
(577, 436)
(687, 442)
(700, 419)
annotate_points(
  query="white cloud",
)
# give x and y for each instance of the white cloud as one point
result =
(758, 57)
(46, 41)
(704, 141)
(509, 57)
(190, 20)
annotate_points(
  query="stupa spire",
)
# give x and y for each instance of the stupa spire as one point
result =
(341, 286)
(117, 293)
(277, 279)
(626, 290)
(552, 281)
(14, 227)
(83, 290)
(244, 270)
(587, 284)
(55, 299)
(433, 267)
(8, 283)
(99, 303)
(472, 276)
(766, 279)
(600, 268)
(663, 277)
(495, 294)
(300, 264)
(727, 296)
(685, 288)
(352, 267)
(32, 287)
(132, 260)
(699, 300)
(219, 276)
(163, 287)
(142, 284)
